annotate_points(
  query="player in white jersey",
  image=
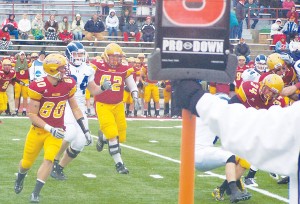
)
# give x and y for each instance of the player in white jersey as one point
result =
(253, 74)
(208, 157)
(75, 140)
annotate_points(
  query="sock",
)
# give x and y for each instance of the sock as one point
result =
(135, 112)
(38, 186)
(17, 110)
(21, 176)
(251, 174)
(145, 113)
(156, 112)
(232, 186)
(240, 185)
(224, 186)
(167, 109)
(117, 157)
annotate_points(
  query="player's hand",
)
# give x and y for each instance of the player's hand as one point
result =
(57, 132)
(287, 91)
(163, 84)
(126, 88)
(136, 103)
(106, 85)
(145, 83)
(187, 94)
(88, 137)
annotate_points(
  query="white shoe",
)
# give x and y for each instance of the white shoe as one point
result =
(250, 182)
(274, 176)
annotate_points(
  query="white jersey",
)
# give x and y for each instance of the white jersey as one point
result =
(204, 136)
(36, 70)
(251, 74)
(270, 146)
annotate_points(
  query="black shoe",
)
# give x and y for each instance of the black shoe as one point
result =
(100, 143)
(34, 198)
(18, 186)
(239, 196)
(284, 180)
(58, 175)
(7, 112)
(16, 113)
(121, 169)
(24, 113)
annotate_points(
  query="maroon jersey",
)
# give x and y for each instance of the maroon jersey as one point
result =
(117, 77)
(52, 99)
(6, 79)
(289, 78)
(219, 87)
(238, 75)
(248, 93)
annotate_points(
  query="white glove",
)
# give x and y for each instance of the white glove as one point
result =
(57, 132)
(106, 85)
(89, 139)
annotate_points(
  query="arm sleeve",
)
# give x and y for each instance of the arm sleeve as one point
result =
(266, 138)
(131, 83)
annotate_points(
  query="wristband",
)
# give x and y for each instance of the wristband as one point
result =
(48, 127)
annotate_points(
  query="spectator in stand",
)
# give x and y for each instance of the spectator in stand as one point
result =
(293, 13)
(64, 31)
(240, 15)
(12, 25)
(251, 9)
(242, 49)
(37, 26)
(112, 23)
(290, 29)
(287, 6)
(94, 27)
(124, 19)
(24, 27)
(51, 28)
(127, 5)
(148, 30)
(276, 28)
(295, 48)
(276, 5)
(263, 5)
(131, 29)
(234, 24)
(5, 38)
(77, 27)
(282, 46)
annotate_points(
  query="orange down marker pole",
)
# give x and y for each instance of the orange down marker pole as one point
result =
(187, 157)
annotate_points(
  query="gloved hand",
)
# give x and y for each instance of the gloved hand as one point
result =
(187, 94)
(57, 132)
(126, 88)
(163, 84)
(89, 139)
(106, 85)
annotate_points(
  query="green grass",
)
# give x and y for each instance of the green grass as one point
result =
(109, 187)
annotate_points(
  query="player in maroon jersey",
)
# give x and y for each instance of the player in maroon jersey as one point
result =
(7, 76)
(239, 71)
(260, 95)
(48, 97)
(109, 105)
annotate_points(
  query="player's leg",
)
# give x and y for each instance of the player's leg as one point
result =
(3, 102)
(249, 179)
(155, 95)
(17, 97)
(24, 91)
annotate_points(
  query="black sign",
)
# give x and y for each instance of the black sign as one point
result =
(192, 41)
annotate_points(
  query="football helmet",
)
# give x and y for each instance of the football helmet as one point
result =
(113, 55)
(287, 58)
(261, 63)
(271, 86)
(6, 65)
(55, 65)
(76, 53)
(276, 64)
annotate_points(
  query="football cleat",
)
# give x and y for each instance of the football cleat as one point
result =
(250, 182)
(284, 180)
(34, 198)
(274, 176)
(58, 175)
(217, 194)
(18, 186)
(100, 143)
(121, 169)
(239, 196)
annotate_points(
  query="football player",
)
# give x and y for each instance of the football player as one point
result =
(74, 140)
(127, 98)
(22, 73)
(239, 70)
(7, 77)
(208, 157)
(109, 105)
(46, 112)
(166, 85)
(253, 74)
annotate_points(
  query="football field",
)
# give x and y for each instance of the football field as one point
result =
(152, 155)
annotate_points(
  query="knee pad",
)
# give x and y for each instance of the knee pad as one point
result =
(114, 149)
(231, 159)
(72, 153)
